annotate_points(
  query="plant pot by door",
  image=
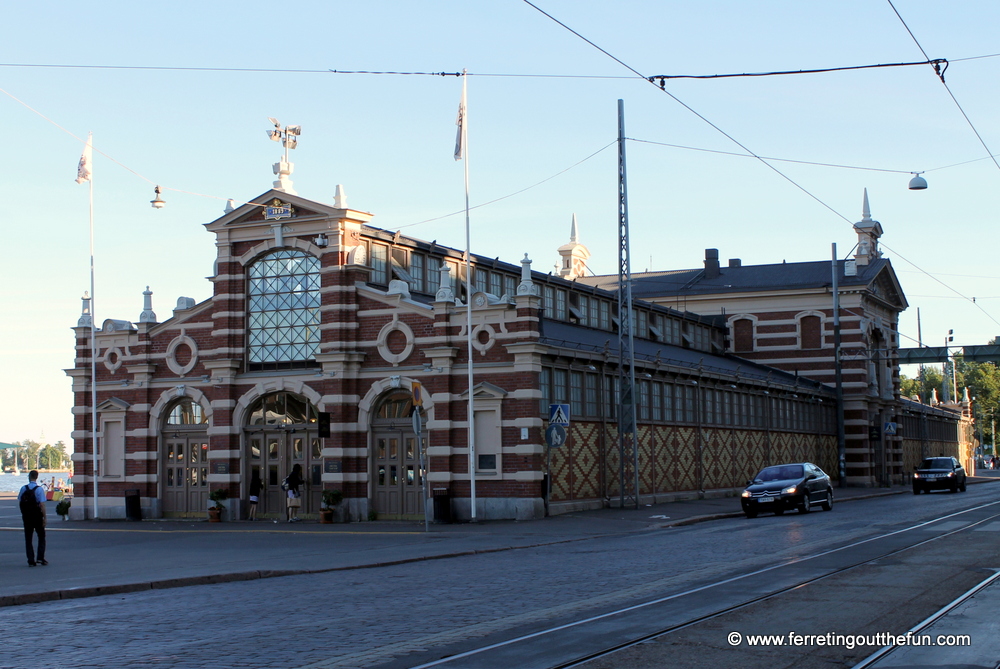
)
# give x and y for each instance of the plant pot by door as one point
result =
(326, 516)
(214, 514)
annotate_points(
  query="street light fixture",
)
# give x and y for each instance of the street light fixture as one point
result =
(917, 182)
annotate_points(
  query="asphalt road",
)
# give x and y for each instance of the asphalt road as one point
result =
(521, 583)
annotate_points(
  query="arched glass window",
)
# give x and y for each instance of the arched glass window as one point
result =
(283, 309)
(186, 412)
(282, 409)
(396, 405)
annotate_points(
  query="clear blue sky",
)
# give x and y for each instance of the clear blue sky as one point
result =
(389, 141)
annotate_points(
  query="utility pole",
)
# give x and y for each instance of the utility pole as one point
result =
(628, 465)
(838, 375)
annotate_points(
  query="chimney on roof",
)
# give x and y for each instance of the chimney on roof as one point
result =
(711, 263)
(735, 262)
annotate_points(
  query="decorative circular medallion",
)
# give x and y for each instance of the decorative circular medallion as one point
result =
(403, 345)
(174, 361)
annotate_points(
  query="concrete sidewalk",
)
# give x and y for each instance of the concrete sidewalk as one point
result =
(92, 558)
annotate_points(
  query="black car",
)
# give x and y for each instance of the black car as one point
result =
(783, 487)
(941, 472)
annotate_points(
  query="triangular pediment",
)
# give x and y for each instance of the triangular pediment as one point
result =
(284, 207)
(886, 287)
(485, 390)
(113, 404)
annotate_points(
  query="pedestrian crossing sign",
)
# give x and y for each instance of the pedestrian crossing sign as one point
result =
(559, 414)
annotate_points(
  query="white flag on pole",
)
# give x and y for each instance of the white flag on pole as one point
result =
(460, 122)
(86, 161)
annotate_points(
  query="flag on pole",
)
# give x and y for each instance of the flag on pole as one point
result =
(86, 162)
(460, 122)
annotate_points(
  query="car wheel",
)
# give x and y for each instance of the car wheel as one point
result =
(962, 487)
(916, 490)
(954, 487)
(806, 506)
(750, 514)
(828, 502)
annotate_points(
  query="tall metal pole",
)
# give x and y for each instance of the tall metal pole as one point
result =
(468, 298)
(838, 375)
(628, 465)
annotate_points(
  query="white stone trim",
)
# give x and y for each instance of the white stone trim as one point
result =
(382, 344)
(171, 357)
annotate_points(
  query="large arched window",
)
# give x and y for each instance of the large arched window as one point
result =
(282, 408)
(283, 310)
(186, 412)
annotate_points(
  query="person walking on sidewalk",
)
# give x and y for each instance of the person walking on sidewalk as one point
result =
(255, 487)
(31, 500)
(294, 482)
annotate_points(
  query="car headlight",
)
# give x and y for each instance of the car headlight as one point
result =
(746, 493)
(950, 474)
(789, 491)
(916, 475)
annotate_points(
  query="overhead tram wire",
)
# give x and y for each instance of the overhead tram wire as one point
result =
(693, 111)
(923, 271)
(518, 192)
(940, 74)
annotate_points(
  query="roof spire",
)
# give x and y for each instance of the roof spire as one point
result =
(574, 234)
(866, 212)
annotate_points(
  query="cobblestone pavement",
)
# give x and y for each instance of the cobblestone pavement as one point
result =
(379, 616)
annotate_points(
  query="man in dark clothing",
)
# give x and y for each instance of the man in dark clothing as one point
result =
(31, 500)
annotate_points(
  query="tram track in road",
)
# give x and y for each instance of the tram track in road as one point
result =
(578, 642)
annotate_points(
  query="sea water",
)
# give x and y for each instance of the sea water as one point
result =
(13, 482)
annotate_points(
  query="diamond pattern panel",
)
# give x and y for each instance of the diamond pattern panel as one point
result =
(684, 468)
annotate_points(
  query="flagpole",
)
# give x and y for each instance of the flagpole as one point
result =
(93, 346)
(468, 296)
(85, 172)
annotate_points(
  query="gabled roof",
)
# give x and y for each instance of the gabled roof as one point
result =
(253, 210)
(750, 278)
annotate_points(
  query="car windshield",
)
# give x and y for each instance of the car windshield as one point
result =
(780, 473)
(935, 463)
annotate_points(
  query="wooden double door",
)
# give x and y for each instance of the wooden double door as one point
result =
(185, 475)
(273, 454)
(397, 474)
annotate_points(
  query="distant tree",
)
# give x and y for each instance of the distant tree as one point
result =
(922, 387)
(66, 460)
(29, 454)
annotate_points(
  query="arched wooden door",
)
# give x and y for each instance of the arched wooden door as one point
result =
(184, 461)
(280, 434)
(395, 459)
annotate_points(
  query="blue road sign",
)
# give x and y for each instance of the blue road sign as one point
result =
(889, 429)
(555, 435)
(559, 414)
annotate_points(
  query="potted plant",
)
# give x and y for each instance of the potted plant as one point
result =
(62, 508)
(215, 512)
(331, 499)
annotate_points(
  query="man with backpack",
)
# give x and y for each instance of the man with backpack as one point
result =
(31, 499)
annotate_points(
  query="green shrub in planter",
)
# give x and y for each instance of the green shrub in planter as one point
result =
(332, 498)
(62, 508)
(219, 496)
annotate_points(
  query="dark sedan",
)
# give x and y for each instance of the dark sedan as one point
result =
(784, 487)
(941, 473)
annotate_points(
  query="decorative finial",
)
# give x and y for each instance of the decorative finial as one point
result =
(230, 206)
(147, 315)
(573, 232)
(86, 318)
(866, 212)
(340, 198)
